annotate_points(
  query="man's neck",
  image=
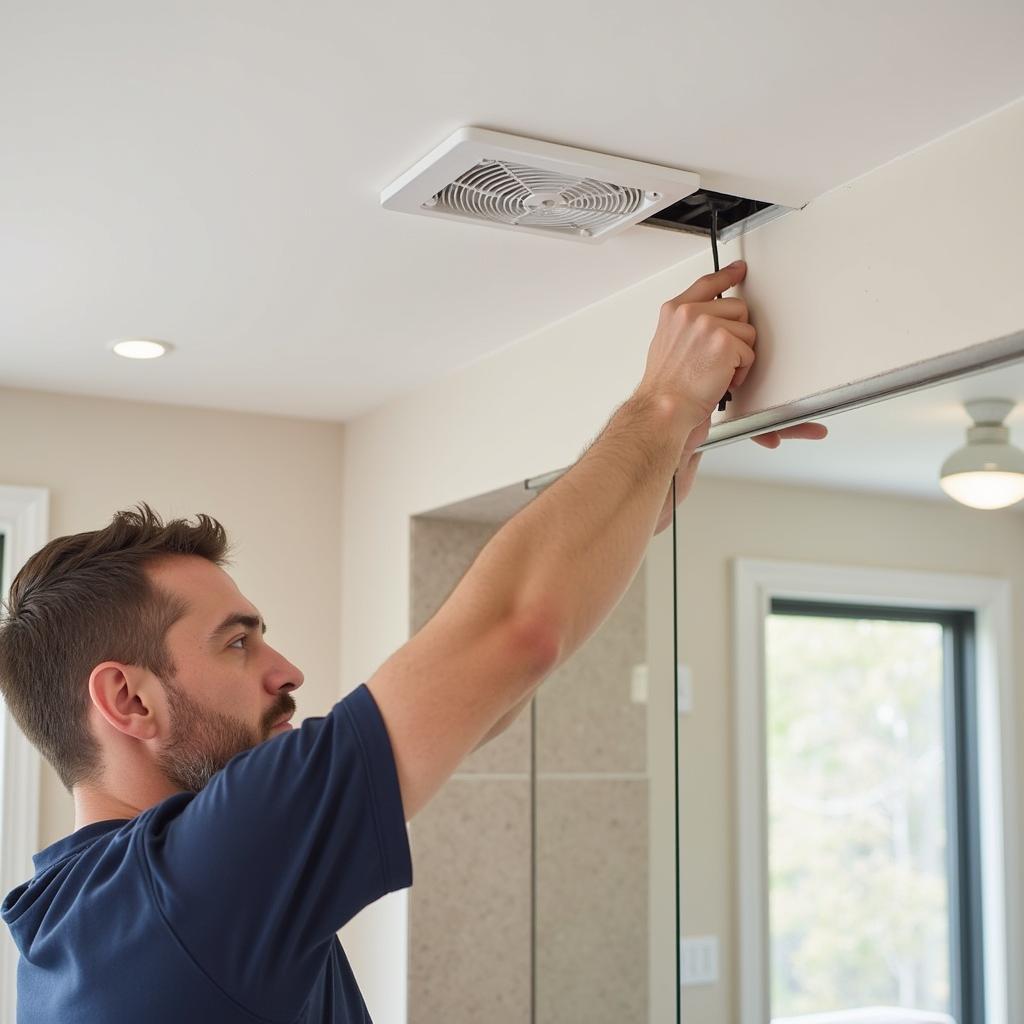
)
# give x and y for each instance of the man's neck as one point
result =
(92, 806)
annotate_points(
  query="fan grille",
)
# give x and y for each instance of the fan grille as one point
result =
(515, 194)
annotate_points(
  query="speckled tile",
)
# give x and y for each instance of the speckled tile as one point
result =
(469, 909)
(442, 551)
(586, 720)
(592, 901)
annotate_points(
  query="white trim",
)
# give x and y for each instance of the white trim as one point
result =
(24, 521)
(755, 584)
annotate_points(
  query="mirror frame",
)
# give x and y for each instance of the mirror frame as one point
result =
(928, 373)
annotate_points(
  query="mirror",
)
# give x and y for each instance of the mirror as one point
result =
(849, 784)
(543, 867)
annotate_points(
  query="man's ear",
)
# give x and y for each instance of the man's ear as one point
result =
(123, 696)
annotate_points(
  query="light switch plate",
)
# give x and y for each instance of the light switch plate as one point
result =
(640, 682)
(685, 689)
(700, 960)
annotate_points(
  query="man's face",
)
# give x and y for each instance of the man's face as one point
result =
(230, 687)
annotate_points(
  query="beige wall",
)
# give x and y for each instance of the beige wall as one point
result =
(726, 519)
(274, 482)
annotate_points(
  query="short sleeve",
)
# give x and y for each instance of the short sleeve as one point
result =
(257, 872)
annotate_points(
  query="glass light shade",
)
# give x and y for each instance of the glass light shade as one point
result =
(986, 490)
(985, 475)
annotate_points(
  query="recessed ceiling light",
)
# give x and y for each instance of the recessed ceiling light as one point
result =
(140, 348)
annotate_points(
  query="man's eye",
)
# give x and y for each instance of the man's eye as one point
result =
(241, 640)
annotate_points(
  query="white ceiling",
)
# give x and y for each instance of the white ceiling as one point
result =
(209, 174)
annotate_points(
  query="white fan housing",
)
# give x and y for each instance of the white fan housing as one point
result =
(521, 184)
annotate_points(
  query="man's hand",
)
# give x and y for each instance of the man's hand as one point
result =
(702, 348)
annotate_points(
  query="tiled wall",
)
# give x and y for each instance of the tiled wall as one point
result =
(592, 829)
(470, 920)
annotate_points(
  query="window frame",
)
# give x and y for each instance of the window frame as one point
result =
(959, 714)
(756, 584)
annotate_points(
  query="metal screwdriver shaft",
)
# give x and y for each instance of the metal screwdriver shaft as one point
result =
(727, 397)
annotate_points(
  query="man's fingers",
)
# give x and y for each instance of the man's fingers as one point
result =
(737, 328)
(805, 431)
(743, 331)
(705, 288)
(726, 309)
(802, 431)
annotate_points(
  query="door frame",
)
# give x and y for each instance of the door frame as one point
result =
(24, 522)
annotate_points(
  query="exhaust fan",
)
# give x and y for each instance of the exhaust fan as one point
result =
(512, 182)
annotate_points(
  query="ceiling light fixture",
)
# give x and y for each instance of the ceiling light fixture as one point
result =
(988, 472)
(140, 348)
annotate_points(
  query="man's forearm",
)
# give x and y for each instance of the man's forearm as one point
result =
(505, 721)
(568, 557)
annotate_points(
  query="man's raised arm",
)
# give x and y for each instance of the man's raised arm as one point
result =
(552, 574)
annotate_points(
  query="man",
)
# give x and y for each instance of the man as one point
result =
(217, 850)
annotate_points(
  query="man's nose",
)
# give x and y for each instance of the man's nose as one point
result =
(293, 675)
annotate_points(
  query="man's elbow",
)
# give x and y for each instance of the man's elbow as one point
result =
(538, 637)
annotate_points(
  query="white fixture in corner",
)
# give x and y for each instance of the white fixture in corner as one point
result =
(988, 472)
(140, 348)
(507, 181)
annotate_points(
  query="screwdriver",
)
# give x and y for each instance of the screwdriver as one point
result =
(727, 397)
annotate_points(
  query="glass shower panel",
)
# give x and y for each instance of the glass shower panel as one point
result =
(604, 809)
(845, 649)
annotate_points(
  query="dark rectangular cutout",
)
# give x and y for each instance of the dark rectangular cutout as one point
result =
(693, 214)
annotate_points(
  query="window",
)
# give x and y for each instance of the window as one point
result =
(874, 883)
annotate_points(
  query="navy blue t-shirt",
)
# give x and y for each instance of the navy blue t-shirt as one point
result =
(222, 906)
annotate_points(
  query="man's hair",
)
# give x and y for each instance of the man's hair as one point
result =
(82, 600)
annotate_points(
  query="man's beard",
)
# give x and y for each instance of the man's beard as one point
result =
(201, 743)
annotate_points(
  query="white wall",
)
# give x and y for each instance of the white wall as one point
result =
(886, 270)
(275, 484)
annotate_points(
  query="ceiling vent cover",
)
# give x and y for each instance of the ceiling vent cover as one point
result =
(511, 182)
